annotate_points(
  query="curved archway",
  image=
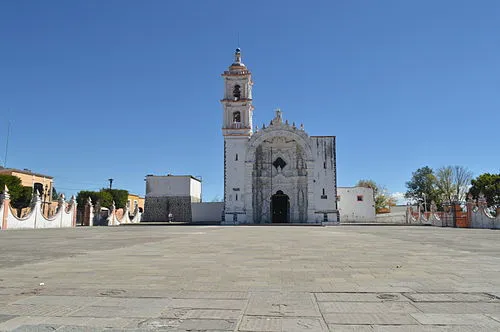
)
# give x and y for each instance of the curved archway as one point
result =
(280, 208)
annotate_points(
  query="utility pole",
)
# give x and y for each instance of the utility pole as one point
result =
(7, 145)
(110, 183)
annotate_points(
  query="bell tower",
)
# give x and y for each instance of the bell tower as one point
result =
(237, 101)
(236, 129)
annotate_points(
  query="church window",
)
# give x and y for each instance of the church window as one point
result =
(360, 198)
(236, 158)
(237, 92)
(324, 196)
(324, 165)
(236, 198)
(279, 163)
(236, 117)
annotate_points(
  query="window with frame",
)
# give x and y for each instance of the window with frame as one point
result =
(360, 198)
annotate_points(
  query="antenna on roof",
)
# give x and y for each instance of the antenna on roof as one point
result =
(6, 145)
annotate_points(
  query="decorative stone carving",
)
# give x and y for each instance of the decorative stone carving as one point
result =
(5, 193)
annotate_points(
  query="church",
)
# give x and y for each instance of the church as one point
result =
(273, 174)
(277, 173)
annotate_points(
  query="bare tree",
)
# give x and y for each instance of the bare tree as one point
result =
(463, 177)
(453, 182)
(444, 183)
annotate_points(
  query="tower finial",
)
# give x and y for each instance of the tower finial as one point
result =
(237, 56)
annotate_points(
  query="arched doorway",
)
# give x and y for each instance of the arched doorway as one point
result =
(280, 207)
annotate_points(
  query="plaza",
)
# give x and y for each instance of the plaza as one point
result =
(250, 278)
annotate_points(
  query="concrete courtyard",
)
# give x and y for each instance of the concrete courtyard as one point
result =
(244, 278)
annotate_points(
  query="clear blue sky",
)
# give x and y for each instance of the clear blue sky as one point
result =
(120, 89)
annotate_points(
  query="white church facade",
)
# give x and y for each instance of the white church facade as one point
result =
(275, 174)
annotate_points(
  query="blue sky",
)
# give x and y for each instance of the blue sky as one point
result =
(120, 89)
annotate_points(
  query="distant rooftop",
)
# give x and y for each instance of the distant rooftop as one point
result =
(4, 170)
(176, 176)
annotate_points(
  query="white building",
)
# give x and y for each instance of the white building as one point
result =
(170, 194)
(278, 174)
(356, 204)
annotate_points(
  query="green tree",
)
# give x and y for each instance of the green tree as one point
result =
(20, 196)
(105, 197)
(83, 196)
(423, 187)
(489, 185)
(55, 195)
(120, 197)
(381, 197)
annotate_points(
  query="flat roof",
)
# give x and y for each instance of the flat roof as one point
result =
(174, 176)
(23, 171)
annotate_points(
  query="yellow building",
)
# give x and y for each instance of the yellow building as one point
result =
(135, 200)
(42, 183)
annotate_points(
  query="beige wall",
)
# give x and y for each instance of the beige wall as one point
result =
(140, 201)
(29, 180)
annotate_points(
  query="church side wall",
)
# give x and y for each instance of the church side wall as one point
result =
(207, 212)
(235, 179)
(325, 187)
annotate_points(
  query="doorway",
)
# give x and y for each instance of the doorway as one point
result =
(280, 208)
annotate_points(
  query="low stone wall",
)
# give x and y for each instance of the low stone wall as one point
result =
(158, 208)
(207, 212)
(64, 217)
(477, 215)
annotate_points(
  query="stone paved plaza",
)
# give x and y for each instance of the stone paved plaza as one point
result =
(244, 278)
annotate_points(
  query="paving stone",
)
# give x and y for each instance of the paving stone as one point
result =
(495, 316)
(290, 304)
(302, 324)
(258, 324)
(428, 328)
(351, 328)
(368, 318)
(16, 322)
(109, 311)
(208, 325)
(367, 307)
(212, 314)
(359, 297)
(37, 328)
(207, 303)
(78, 328)
(4, 318)
(456, 319)
(458, 307)
(132, 302)
(450, 297)
(38, 309)
(211, 295)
